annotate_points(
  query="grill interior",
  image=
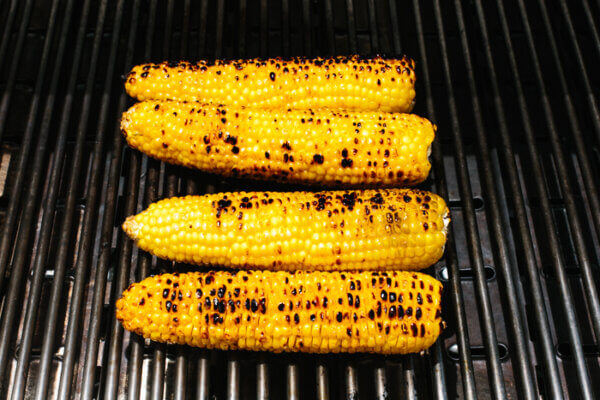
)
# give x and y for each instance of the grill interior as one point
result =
(512, 89)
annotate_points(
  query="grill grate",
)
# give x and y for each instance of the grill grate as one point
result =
(512, 89)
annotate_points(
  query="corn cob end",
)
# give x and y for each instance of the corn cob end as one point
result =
(131, 227)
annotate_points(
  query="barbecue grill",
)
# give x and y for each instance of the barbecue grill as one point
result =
(512, 88)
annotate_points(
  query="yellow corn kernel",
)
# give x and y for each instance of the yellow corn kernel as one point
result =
(343, 230)
(351, 83)
(314, 312)
(329, 148)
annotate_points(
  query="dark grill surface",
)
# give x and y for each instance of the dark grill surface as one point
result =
(513, 87)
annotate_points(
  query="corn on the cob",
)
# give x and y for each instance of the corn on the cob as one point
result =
(351, 83)
(314, 312)
(343, 230)
(322, 146)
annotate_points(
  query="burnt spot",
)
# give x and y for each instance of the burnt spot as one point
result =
(352, 285)
(392, 296)
(142, 302)
(235, 150)
(357, 302)
(350, 299)
(419, 299)
(254, 305)
(267, 155)
(338, 317)
(207, 302)
(165, 145)
(400, 312)
(208, 148)
(392, 312)
(340, 301)
(346, 163)
(409, 311)
(371, 314)
(407, 199)
(418, 313)
(414, 329)
(349, 332)
(349, 200)
(221, 291)
(325, 302)
(377, 199)
(345, 153)
(209, 280)
(272, 76)
(165, 293)
(429, 298)
(231, 139)
(386, 153)
(168, 305)
(425, 226)
(318, 158)
(296, 319)
(221, 306)
(383, 295)
(286, 146)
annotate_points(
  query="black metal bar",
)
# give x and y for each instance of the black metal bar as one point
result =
(202, 28)
(50, 324)
(13, 301)
(23, 157)
(137, 342)
(262, 378)
(285, 27)
(379, 374)
(395, 27)
(233, 377)
(590, 20)
(574, 44)
(293, 389)
(264, 28)
(462, 334)
(473, 240)
(49, 210)
(351, 26)
(158, 371)
(322, 380)
(6, 33)
(329, 26)
(516, 325)
(75, 314)
(373, 26)
(351, 381)
(93, 335)
(307, 28)
(242, 25)
(219, 33)
(408, 378)
(11, 80)
(202, 377)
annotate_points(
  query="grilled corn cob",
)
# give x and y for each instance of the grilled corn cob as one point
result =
(313, 312)
(343, 230)
(326, 147)
(351, 83)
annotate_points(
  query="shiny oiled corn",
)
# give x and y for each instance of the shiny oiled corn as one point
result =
(314, 312)
(351, 83)
(342, 230)
(322, 147)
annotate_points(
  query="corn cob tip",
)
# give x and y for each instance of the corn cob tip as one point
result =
(131, 227)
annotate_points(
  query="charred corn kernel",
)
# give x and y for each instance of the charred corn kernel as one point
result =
(342, 230)
(313, 312)
(326, 147)
(352, 83)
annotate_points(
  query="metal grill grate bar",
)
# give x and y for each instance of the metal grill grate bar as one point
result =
(466, 361)
(8, 90)
(13, 298)
(49, 207)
